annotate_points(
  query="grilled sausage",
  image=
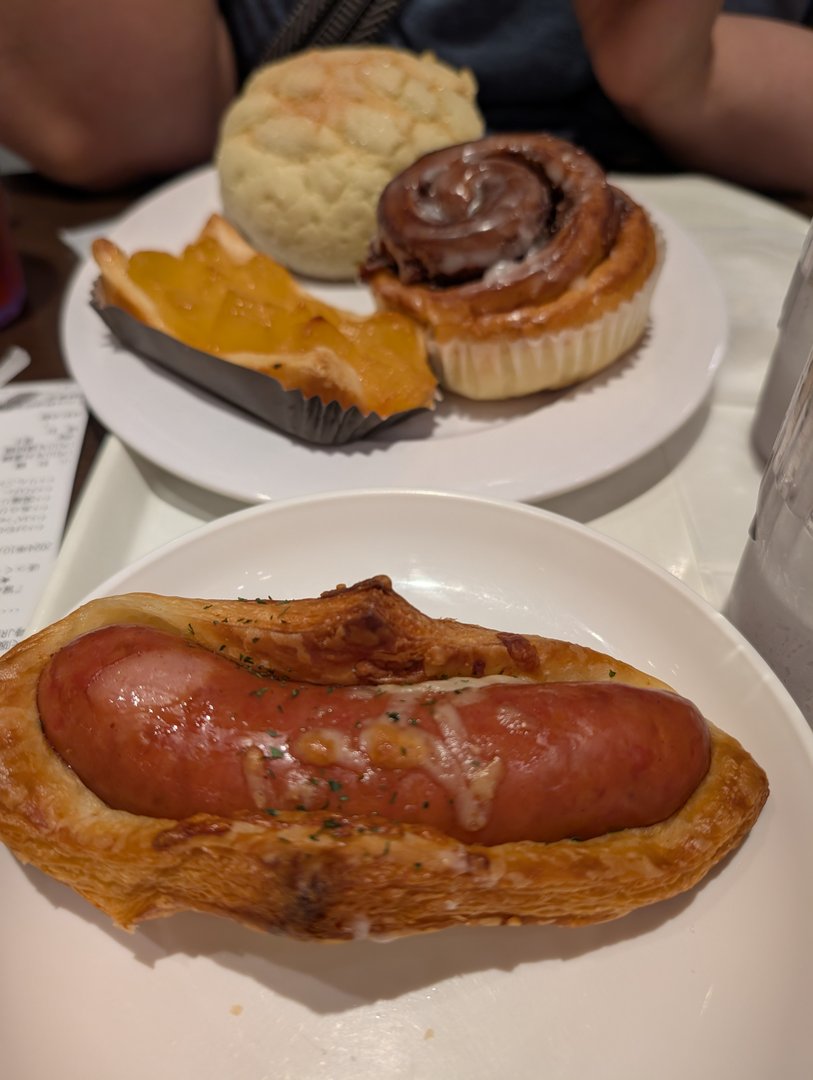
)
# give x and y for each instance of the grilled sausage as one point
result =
(158, 726)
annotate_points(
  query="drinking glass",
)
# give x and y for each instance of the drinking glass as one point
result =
(793, 344)
(771, 600)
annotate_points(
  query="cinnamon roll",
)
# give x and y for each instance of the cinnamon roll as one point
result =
(526, 269)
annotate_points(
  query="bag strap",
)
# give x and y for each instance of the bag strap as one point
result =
(321, 23)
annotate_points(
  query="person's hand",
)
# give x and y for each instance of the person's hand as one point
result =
(728, 94)
(648, 53)
(99, 93)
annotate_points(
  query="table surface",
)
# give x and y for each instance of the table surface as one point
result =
(41, 213)
(686, 505)
(422, 1009)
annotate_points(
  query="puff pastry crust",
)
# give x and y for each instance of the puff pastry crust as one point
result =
(367, 877)
(375, 363)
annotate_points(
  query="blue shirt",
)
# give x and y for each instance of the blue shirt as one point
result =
(531, 66)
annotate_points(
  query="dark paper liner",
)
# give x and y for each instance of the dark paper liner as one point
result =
(260, 395)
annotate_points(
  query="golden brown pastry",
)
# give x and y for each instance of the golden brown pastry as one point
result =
(223, 299)
(289, 853)
(307, 147)
(526, 268)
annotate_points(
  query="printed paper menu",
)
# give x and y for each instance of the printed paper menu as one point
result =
(42, 425)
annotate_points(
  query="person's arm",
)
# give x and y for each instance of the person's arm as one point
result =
(97, 93)
(728, 94)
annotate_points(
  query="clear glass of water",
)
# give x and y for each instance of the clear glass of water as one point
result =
(771, 600)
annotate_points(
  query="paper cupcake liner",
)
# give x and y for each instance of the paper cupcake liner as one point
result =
(492, 370)
(254, 392)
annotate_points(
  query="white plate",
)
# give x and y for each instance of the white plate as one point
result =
(530, 449)
(716, 983)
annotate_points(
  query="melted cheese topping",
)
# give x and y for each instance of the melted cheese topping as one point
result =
(451, 758)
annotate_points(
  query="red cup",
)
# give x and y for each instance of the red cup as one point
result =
(12, 283)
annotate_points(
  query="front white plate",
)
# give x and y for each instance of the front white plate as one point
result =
(532, 448)
(717, 983)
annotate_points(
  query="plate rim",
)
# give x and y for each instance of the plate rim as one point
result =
(552, 521)
(710, 1029)
(75, 304)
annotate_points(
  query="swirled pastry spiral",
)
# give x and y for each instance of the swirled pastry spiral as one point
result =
(526, 268)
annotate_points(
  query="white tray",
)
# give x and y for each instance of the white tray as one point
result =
(686, 505)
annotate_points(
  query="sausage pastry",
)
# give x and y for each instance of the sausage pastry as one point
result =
(343, 766)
